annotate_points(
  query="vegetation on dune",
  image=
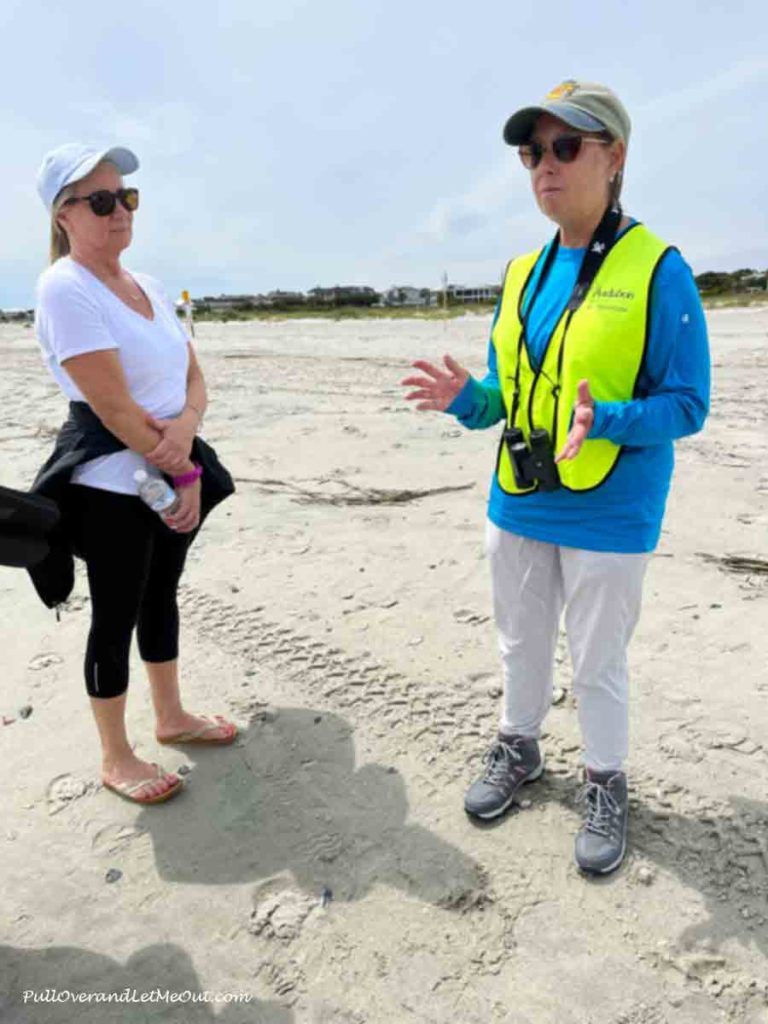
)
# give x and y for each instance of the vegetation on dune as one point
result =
(347, 313)
(744, 287)
(746, 284)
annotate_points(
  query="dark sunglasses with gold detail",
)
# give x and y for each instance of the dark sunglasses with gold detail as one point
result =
(565, 149)
(103, 202)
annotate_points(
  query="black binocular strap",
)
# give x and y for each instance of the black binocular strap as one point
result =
(599, 246)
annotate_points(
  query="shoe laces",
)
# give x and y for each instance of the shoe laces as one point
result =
(501, 761)
(601, 809)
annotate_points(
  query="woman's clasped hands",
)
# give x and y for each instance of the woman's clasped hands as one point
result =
(171, 456)
(172, 452)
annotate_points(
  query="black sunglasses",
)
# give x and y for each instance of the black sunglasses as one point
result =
(103, 202)
(565, 147)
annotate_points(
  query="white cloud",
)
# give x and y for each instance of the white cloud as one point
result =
(168, 129)
(483, 201)
(682, 101)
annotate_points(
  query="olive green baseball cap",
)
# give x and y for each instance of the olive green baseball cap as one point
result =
(587, 106)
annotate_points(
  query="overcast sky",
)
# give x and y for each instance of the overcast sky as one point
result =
(286, 144)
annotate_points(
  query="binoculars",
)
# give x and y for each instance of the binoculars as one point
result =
(534, 462)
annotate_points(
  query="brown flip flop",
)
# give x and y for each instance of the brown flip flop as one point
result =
(128, 790)
(202, 736)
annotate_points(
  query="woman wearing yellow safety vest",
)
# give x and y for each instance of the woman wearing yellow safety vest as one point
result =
(598, 361)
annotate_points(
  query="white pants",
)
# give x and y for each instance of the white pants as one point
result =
(601, 592)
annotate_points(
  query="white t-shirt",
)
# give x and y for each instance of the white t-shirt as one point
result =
(76, 313)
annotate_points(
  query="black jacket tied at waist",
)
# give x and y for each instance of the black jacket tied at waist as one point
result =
(84, 437)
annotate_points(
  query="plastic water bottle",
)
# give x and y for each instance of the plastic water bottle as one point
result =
(155, 492)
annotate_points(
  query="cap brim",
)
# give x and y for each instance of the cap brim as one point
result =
(517, 130)
(124, 160)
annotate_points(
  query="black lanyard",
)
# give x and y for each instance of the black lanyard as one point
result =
(599, 246)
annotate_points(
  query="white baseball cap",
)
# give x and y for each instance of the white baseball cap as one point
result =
(70, 163)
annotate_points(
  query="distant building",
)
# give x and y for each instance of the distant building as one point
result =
(714, 282)
(17, 316)
(281, 300)
(405, 295)
(343, 295)
(460, 293)
(754, 281)
(224, 303)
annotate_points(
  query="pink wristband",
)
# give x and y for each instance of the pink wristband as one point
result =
(187, 479)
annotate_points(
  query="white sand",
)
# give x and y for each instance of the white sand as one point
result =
(353, 644)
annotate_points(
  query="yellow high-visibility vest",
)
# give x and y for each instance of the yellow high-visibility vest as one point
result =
(603, 341)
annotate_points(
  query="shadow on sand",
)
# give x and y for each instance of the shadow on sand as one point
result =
(723, 855)
(292, 799)
(159, 968)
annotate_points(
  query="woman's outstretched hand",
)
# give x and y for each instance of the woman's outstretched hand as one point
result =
(438, 388)
(583, 418)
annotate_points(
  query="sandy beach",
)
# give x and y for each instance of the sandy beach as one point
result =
(338, 607)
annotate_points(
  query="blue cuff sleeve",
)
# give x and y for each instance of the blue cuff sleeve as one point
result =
(478, 405)
(464, 402)
(598, 427)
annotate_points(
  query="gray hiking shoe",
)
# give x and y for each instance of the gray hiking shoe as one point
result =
(510, 763)
(602, 840)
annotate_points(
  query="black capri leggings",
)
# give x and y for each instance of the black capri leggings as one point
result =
(134, 565)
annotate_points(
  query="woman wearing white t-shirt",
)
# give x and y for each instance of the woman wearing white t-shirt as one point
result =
(116, 348)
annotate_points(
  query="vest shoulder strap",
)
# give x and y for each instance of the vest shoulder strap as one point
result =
(516, 277)
(642, 242)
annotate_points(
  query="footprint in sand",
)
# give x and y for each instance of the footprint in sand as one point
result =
(62, 790)
(470, 618)
(114, 838)
(45, 660)
(279, 910)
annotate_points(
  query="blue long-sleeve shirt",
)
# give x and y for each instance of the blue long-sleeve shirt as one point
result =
(623, 514)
